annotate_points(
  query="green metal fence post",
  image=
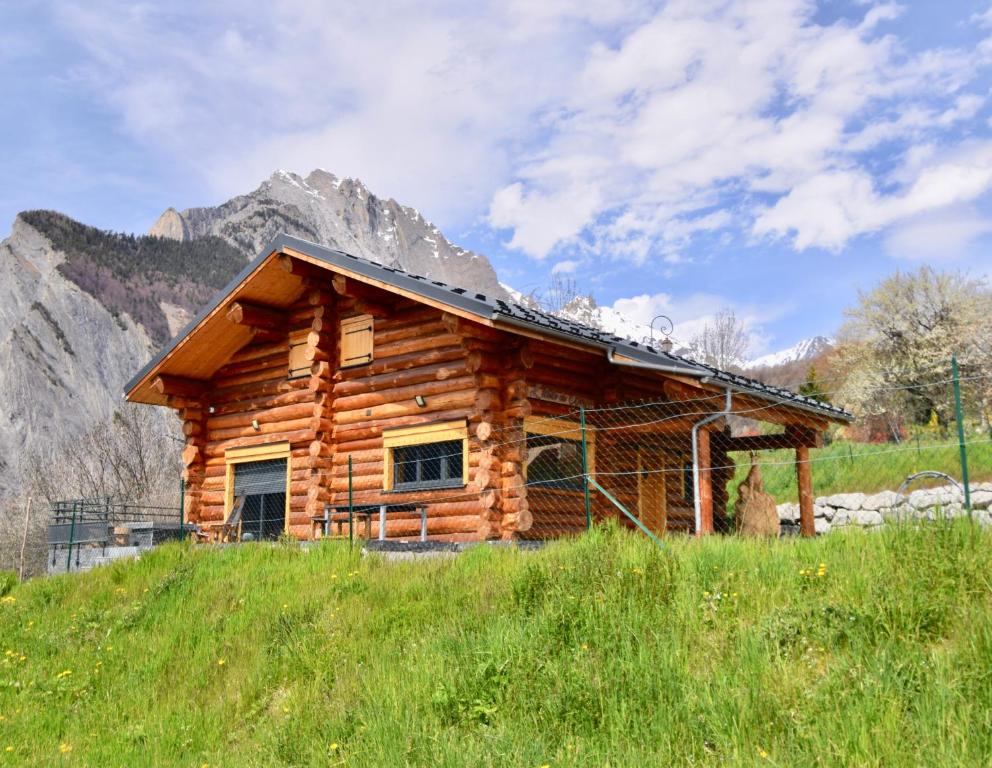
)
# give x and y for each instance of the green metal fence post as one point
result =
(585, 468)
(959, 417)
(182, 505)
(351, 507)
(72, 536)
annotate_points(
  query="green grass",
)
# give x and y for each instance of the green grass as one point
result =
(600, 651)
(847, 467)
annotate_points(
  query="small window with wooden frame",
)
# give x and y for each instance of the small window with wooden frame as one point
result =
(356, 340)
(554, 453)
(425, 457)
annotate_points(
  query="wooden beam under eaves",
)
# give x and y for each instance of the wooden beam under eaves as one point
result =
(256, 316)
(178, 386)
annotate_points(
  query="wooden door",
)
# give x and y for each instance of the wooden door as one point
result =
(652, 504)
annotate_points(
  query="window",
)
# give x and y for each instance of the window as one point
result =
(356, 340)
(554, 453)
(262, 486)
(432, 465)
(256, 487)
(688, 486)
(428, 456)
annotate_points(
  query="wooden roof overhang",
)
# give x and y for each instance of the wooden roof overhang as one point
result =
(210, 339)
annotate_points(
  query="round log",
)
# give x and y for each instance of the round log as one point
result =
(402, 393)
(444, 402)
(435, 372)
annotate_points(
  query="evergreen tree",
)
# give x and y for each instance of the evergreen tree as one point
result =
(812, 387)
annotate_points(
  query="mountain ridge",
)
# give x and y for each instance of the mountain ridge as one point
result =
(339, 213)
(82, 309)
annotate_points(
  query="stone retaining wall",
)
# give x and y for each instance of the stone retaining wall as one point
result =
(873, 510)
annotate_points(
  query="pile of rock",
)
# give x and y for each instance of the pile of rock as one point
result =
(873, 510)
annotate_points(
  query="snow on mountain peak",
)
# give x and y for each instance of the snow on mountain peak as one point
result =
(802, 350)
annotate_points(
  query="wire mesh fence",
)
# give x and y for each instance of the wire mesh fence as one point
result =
(694, 461)
(86, 532)
(688, 464)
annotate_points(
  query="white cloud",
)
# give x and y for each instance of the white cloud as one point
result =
(714, 101)
(832, 207)
(428, 103)
(565, 267)
(540, 221)
(942, 236)
(691, 314)
(613, 127)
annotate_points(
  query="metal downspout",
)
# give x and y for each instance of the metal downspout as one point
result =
(695, 456)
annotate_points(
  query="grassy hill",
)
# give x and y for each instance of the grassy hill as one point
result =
(855, 649)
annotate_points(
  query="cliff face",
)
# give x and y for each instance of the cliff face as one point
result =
(340, 213)
(82, 310)
(63, 356)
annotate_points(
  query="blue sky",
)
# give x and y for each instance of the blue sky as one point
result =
(773, 157)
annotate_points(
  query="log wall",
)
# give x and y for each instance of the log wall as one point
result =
(254, 386)
(417, 350)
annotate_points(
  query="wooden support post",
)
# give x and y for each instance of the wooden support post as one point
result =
(705, 484)
(804, 479)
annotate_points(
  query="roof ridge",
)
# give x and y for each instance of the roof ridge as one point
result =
(490, 309)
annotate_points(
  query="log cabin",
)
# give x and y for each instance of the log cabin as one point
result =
(317, 380)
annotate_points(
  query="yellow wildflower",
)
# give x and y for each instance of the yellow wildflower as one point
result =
(221, 662)
(762, 754)
(9, 748)
(64, 748)
(334, 746)
(8, 599)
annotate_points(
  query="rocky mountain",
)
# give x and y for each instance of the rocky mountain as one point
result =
(340, 213)
(790, 367)
(807, 349)
(81, 310)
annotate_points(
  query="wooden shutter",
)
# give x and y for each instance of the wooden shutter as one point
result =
(298, 364)
(356, 340)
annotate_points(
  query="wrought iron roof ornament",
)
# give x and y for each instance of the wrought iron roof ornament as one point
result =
(666, 328)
